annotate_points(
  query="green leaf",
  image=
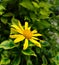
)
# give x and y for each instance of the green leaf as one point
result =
(4, 20)
(28, 6)
(16, 60)
(5, 61)
(8, 14)
(1, 12)
(8, 44)
(2, 7)
(29, 62)
(45, 24)
(37, 50)
(44, 60)
(45, 4)
(30, 44)
(14, 21)
(29, 52)
(56, 59)
(44, 13)
(57, 2)
(35, 4)
(45, 44)
(5, 54)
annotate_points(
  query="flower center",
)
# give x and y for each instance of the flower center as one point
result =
(27, 34)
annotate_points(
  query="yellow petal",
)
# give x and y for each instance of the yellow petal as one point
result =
(35, 42)
(17, 28)
(34, 31)
(20, 25)
(15, 36)
(29, 28)
(26, 25)
(25, 44)
(19, 31)
(19, 38)
(35, 38)
(37, 34)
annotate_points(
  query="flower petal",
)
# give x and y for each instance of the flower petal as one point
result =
(34, 31)
(26, 25)
(15, 36)
(35, 42)
(35, 38)
(19, 38)
(17, 28)
(20, 25)
(25, 44)
(29, 28)
(37, 34)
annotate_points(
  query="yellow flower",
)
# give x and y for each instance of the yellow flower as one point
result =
(26, 34)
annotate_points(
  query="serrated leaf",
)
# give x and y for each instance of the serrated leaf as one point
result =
(29, 52)
(8, 44)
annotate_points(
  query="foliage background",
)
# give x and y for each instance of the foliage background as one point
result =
(42, 15)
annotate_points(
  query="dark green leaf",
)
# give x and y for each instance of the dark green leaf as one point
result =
(8, 15)
(4, 20)
(44, 60)
(29, 62)
(16, 60)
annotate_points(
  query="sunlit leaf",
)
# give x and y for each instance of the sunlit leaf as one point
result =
(8, 44)
(29, 52)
